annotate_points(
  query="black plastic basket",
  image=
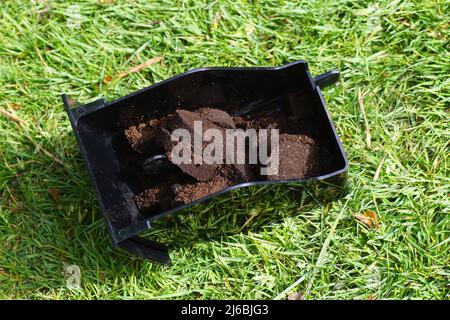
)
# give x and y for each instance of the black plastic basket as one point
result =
(99, 126)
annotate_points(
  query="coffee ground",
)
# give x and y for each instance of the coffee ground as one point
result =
(143, 136)
(149, 199)
(191, 192)
(299, 156)
(218, 117)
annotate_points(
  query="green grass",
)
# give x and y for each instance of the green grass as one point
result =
(255, 243)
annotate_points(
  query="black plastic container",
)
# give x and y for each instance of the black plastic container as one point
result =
(99, 126)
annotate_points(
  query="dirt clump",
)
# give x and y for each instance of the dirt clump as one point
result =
(218, 117)
(298, 156)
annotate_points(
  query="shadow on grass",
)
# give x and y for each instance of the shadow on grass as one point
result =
(244, 210)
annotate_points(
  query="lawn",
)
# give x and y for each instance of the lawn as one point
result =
(391, 110)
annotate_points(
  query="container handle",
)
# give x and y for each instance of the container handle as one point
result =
(146, 249)
(328, 78)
